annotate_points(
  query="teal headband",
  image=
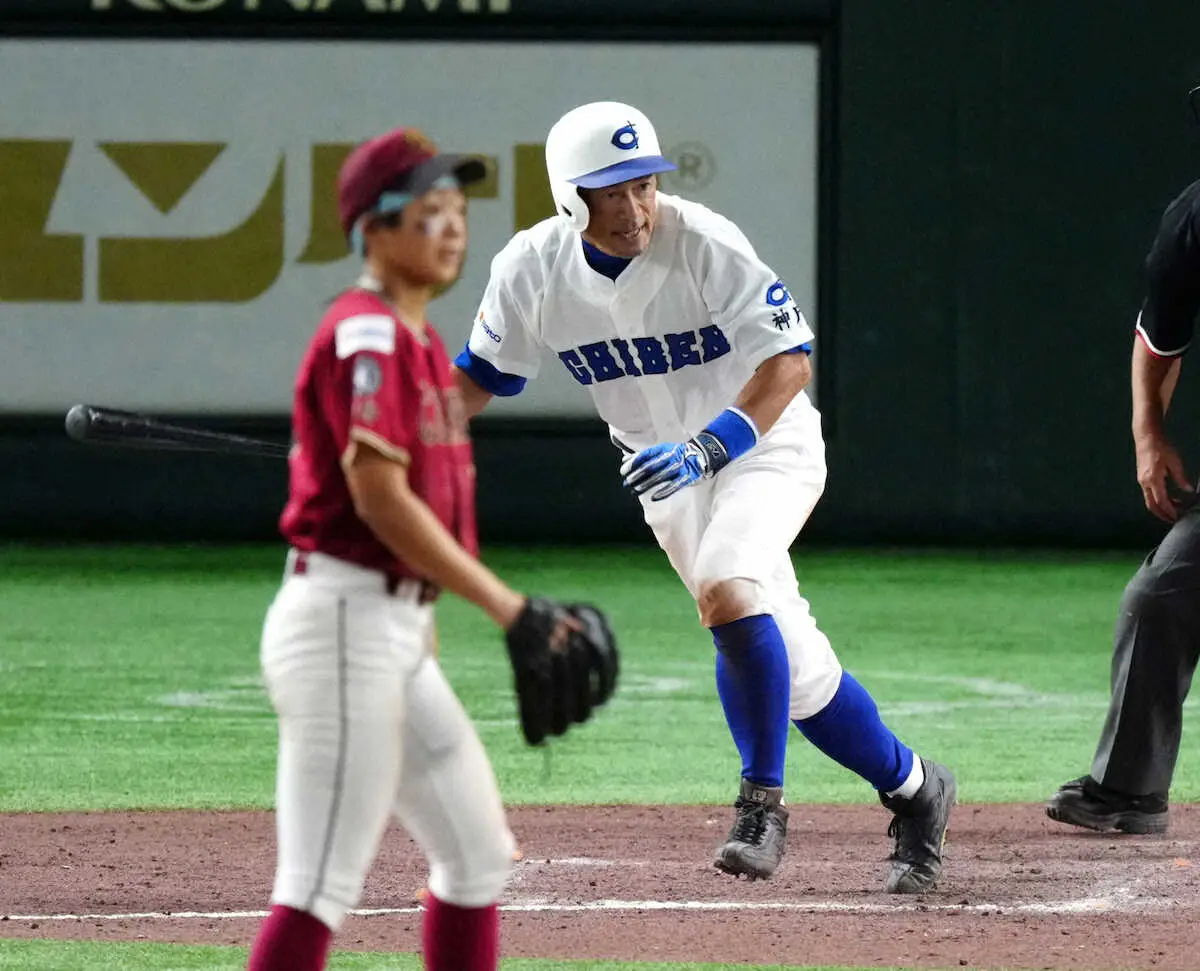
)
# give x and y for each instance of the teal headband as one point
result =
(390, 202)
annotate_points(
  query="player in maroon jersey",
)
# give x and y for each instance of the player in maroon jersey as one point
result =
(381, 517)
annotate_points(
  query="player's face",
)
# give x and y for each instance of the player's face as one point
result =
(427, 242)
(622, 216)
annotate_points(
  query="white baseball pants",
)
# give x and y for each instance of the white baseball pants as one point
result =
(741, 524)
(369, 728)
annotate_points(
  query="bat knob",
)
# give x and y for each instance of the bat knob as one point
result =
(78, 420)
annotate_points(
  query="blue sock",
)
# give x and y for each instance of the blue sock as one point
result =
(754, 682)
(850, 731)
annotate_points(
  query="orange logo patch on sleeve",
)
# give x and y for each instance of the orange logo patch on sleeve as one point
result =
(416, 139)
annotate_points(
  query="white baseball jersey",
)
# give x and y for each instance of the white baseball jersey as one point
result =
(665, 347)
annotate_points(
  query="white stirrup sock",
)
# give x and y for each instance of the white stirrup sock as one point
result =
(913, 783)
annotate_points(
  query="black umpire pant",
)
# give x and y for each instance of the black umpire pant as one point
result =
(1155, 649)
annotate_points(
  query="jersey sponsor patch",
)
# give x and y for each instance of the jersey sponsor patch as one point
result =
(486, 328)
(365, 332)
(368, 376)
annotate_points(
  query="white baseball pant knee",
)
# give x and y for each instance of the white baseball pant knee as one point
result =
(816, 672)
(448, 797)
(369, 726)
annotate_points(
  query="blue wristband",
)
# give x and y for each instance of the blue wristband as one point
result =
(733, 433)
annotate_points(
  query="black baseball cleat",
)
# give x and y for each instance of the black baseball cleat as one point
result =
(754, 845)
(919, 829)
(1085, 802)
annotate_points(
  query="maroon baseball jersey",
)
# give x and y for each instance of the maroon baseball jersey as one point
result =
(367, 378)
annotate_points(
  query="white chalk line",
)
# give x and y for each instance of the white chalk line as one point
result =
(245, 699)
(1110, 899)
(581, 861)
(1116, 901)
(1103, 899)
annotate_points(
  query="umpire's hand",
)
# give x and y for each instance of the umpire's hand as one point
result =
(1160, 473)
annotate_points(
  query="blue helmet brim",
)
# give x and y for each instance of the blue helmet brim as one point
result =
(633, 168)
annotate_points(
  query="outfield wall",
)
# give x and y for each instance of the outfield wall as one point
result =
(963, 193)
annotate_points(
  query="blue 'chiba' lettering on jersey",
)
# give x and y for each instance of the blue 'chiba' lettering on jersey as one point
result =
(617, 358)
(623, 352)
(601, 361)
(575, 365)
(652, 355)
(713, 342)
(682, 349)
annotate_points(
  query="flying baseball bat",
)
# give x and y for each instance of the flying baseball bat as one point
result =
(107, 426)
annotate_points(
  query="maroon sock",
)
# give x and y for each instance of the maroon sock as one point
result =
(460, 938)
(290, 940)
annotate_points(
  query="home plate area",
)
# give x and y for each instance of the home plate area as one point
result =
(636, 883)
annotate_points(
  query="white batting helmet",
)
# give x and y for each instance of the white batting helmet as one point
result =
(597, 145)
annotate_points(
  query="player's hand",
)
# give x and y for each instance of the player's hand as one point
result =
(515, 604)
(1160, 472)
(665, 469)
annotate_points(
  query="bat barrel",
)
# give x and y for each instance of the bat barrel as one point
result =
(108, 426)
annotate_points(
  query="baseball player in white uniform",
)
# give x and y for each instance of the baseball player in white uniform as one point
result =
(696, 356)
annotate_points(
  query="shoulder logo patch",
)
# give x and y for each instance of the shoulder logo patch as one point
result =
(368, 376)
(365, 332)
(777, 294)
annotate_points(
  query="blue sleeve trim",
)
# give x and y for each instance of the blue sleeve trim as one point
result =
(799, 349)
(487, 376)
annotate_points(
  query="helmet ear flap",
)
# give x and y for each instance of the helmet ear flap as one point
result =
(570, 205)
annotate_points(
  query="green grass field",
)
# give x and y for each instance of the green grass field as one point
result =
(131, 680)
(63, 956)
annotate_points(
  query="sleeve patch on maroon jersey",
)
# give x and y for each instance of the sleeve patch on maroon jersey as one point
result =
(365, 332)
(368, 376)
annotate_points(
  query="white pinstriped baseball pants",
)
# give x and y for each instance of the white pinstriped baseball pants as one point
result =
(370, 728)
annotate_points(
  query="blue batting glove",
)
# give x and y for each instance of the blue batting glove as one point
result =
(668, 468)
(665, 469)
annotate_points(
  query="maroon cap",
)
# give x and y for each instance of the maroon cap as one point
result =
(402, 160)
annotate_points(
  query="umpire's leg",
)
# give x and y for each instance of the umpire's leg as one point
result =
(1156, 645)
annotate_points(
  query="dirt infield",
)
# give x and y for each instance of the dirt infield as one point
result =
(635, 883)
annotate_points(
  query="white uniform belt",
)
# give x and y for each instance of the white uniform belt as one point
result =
(330, 571)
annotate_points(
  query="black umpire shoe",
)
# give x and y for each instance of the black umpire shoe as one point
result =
(1084, 802)
(754, 846)
(919, 828)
